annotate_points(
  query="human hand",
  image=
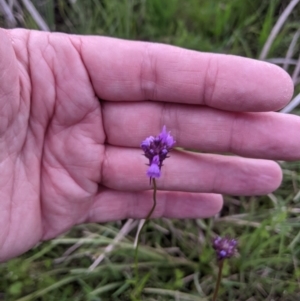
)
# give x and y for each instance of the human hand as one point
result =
(68, 158)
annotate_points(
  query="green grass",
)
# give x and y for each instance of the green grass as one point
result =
(176, 261)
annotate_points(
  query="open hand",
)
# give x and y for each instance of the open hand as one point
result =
(75, 109)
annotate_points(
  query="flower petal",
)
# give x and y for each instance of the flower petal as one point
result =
(153, 171)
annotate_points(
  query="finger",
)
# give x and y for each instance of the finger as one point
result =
(125, 70)
(125, 169)
(266, 135)
(9, 82)
(112, 205)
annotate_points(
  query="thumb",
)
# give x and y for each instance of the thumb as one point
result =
(9, 83)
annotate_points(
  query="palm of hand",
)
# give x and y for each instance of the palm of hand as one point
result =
(52, 142)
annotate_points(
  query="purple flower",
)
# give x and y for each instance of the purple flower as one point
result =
(166, 138)
(153, 170)
(156, 149)
(225, 247)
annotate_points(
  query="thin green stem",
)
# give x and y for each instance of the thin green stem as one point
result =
(146, 220)
(221, 262)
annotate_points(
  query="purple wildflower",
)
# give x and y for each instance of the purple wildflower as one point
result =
(225, 247)
(154, 171)
(156, 149)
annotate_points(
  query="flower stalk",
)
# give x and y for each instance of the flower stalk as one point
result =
(220, 264)
(146, 221)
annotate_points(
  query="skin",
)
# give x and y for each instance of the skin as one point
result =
(67, 158)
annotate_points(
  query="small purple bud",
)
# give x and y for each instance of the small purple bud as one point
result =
(164, 151)
(146, 143)
(225, 247)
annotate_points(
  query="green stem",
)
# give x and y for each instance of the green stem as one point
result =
(221, 262)
(146, 220)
